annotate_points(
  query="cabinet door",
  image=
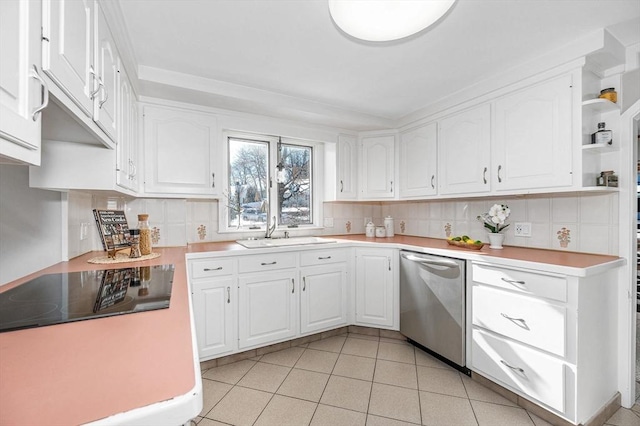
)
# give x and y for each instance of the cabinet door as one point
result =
(214, 314)
(375, 287)
(67, 52)
(106, 67)
(533, 137)
(464, 142)
(378, 166)
(323, 298)
(268, 308)
(126, 148)
(179, 147)
(21, 89)
(418, 161)
(347, 168)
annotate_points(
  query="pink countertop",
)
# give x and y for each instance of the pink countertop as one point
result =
(83, 371)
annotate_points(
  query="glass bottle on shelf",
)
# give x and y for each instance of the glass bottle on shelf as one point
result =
(602, 136)
(134, 243)
(145, 234)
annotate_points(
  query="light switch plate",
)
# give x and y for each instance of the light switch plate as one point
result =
(522, 229)
(328, 222)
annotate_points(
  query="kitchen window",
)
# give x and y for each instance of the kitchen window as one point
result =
(268, 177)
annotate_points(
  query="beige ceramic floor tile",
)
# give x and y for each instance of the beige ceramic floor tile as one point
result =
(383, 421)
(360, 347)
(286, 357)
(356, 367)
(320, 361)
(478, 392)
(438, 380)
(264, 377)
(331, 344)
(636, 407)
(396, 341)
(426, 360)
(624, 417)
(396, 373)
(494, 414)
(395, 352)
(209, 422)
(212, 393)
(304, 384)
(326, 415)
(347, 393)
(538, 421)
(445, 410)
(283, 410)
(395, 403)
(363, 337)
(230, 373)
(241, 406)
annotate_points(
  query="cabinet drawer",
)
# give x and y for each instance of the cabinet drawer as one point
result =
(549, 286)
(320, 257)
(528, 320)
(267, 262)
(531, 372)
(211, 268)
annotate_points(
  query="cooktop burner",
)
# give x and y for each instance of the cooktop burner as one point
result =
(75, 296)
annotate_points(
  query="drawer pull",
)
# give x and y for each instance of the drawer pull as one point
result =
(518, 369)
(304, 284)
(520, 322)
(228, 294)
(324, 258)
(514, 282)
(293, 285)
(268, 263)
(219, 268)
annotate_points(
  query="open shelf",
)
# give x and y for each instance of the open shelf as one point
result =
(600, 105)
(598, 148)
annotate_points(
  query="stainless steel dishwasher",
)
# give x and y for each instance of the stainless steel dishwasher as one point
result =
(432, 305)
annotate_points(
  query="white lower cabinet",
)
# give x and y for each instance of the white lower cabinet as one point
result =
(377, 290)
(323, 299)
(545, 336)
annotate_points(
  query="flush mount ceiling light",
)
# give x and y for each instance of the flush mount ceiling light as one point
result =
(385, 20)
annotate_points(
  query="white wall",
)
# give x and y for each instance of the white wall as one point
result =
(30, 225)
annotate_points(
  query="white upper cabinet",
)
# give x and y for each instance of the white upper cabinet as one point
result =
(464, 147)
(106, 68)
(127, 147)
(23, 93)
(179, 147)
(347, 182)
(68, 49)
(418, 161)
(533, 138)
(378, 166)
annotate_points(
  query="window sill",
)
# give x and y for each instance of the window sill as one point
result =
(299, 229)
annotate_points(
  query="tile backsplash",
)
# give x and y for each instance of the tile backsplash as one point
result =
(583, 223)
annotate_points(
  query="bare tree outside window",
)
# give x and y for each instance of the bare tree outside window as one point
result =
(248, 182)
(294, 193)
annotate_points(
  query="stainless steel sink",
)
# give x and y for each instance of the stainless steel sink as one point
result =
(283, 242)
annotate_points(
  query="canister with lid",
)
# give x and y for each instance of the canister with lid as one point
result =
(380, 233)
(370, 230)
(388, 226)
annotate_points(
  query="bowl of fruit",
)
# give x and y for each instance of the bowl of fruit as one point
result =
(465, 242)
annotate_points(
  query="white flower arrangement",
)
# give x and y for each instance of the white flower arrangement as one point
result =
(496, 216)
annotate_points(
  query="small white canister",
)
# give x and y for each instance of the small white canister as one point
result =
(370, 230)
(380, 232)
(388, 226)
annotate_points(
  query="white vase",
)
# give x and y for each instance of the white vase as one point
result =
(496, 240)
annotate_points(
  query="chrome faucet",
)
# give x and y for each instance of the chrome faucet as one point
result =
(270, 226)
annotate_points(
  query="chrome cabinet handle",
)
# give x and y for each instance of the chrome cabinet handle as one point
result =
(213, 180)
(484, 175)
(391, 186)
(228, 294)
(219, 268)
(304, 283)
(389, 260)
(324, 258)
(518, 369)
(106, 95)
(499, 178)
(293, 285)
(341, 186)
(45, 93)
(514, 282)
(93, 77)
(269, 263)
(433, 177)
(521, 321)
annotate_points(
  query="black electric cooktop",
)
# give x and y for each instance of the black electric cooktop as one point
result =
(75, 296)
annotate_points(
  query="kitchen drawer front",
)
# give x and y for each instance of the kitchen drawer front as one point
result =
(531, 372)
(207, 268)
(320, 257)
(267, 262)
(542, 285)
(528, 320)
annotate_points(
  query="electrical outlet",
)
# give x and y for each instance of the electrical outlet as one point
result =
(328, 222)
(84, 230)
(367, 220)
(522, 229)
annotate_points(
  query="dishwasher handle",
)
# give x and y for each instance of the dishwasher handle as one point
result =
(431, 262)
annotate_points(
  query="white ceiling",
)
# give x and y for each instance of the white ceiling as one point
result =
(287, 58)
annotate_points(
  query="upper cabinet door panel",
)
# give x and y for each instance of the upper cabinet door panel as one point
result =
(347, 168)
(418, 161)
(179, 151)
(378, 166)
(68, 54)
(106, 67)
(464, 152)
(533, 137)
